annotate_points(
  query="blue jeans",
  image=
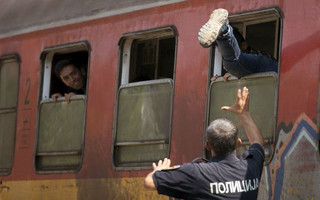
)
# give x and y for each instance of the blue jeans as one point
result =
(241, 64)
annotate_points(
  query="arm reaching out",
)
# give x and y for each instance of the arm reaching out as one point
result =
(241, 108)
(148, 181)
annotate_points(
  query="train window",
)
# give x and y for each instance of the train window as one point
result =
(77, 55)
(9, 84)
(61, 124)
(144, 100)
(261, 30)
(152, 59)
(143, 123)
(148, 55)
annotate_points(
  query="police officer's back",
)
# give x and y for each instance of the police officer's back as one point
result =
(224, 176)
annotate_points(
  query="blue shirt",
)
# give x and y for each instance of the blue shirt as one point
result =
(222, 177)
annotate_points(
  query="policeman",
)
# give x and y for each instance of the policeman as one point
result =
(224, 176)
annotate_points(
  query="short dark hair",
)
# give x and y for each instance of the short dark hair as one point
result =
(222, 136)
(62, 64)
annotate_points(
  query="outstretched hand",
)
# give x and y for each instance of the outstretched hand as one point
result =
(242, 102)
(165, 164)
(148, 181)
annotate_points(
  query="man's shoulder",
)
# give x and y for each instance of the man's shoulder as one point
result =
(255, 150)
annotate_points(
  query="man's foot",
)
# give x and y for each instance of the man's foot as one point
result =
(211, 30)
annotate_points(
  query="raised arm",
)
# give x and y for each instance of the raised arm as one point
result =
(241, 109)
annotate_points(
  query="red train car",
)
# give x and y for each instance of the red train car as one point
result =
(149, 95)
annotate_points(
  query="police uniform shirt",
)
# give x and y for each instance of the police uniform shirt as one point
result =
(225, 177)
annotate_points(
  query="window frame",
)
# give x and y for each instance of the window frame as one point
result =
(245, 142)
(16, 58)
(215, 62)
(46, 57)
(251, 18)
(123, 73)
(125, 44)
(133, 165)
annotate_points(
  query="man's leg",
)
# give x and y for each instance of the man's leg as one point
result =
(241, 64)
(234, 61)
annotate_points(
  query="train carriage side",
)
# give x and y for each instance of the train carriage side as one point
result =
(148, 96)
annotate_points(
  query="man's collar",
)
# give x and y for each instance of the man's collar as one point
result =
(231, 157)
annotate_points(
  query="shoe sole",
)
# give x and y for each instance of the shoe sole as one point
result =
(210, 30)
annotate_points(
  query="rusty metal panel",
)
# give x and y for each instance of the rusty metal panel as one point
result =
(149, 115)
(79, 189)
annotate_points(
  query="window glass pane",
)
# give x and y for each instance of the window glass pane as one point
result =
(144, 112)
(262, 101)
(152, 59)
(7, 133)
(9, 80)
(142, 153)
(60, 137)
(9, 83)
(143, 123)
(58, 162)
(61, 125)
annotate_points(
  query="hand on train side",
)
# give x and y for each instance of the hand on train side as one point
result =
(226, 76)
(69, 95)
(56, 96)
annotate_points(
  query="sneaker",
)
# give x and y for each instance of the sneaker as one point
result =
(211, 30)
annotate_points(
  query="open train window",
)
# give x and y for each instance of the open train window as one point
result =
(148, 55)
(144, 100)
(261, 29)
(9, 84)
(61, 124)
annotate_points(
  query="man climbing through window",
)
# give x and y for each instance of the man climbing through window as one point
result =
(238, 63)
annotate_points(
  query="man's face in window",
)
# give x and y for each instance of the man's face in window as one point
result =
(72, 77)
